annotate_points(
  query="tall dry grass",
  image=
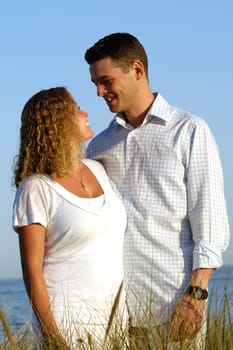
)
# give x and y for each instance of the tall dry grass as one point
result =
(219, 332)
(219, 336)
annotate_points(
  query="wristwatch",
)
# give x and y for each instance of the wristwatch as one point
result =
(197, 292)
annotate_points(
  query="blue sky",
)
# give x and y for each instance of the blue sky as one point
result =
(190, 51)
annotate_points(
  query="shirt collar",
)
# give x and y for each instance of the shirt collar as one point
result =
(159, 109)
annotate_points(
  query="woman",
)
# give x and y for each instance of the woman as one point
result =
(70, 223)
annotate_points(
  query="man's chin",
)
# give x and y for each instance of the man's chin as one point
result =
(113, 108)
(111, 105)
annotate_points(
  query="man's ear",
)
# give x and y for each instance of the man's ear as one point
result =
(138, 68)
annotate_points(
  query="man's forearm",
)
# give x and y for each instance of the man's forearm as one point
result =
(201, 277)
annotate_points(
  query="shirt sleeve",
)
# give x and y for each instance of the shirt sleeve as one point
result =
(206, 201)
(31, 204)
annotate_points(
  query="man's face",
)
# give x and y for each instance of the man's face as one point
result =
(115, 85)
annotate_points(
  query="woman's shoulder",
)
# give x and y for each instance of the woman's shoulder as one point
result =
(98, 169)
(32, 182)
(94, 164)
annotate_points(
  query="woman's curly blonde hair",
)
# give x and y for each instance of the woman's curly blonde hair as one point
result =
(48, 133)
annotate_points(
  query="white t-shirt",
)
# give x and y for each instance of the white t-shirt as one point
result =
(83, 265)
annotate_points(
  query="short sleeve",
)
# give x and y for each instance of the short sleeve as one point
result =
(31, 204)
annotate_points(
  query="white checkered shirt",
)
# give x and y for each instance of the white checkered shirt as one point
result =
(168, 174)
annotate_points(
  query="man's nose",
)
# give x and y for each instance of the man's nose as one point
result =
(101, 90)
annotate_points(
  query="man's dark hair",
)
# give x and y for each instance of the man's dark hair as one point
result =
(122, 48)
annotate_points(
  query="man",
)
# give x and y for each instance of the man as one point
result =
(165, 165)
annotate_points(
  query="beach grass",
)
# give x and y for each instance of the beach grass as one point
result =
(219, 334)
(219, 329)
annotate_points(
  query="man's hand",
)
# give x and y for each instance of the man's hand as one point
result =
(186, 318)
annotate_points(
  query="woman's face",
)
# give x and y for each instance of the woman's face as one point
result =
(83, 125)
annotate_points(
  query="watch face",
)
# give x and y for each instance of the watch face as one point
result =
(198, 293)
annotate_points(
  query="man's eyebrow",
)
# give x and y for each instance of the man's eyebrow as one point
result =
(101, 78)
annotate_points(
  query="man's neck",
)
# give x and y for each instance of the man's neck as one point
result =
(136, 117)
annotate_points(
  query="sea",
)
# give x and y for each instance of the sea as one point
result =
(17, 311)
